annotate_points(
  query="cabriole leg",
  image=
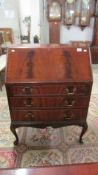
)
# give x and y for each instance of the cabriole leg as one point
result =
(84, 129)
(12, 128)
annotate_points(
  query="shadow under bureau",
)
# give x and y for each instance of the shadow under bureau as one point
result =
(48, 85)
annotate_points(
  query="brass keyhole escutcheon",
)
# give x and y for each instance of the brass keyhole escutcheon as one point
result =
(71, 90)
(28, 102)
(27, 90)
(67, 116)
(69, 102)
(30, 115)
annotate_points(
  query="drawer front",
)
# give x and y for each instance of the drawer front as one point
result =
(49, 102)
(49, 115)
(64, 89)
(74, 101)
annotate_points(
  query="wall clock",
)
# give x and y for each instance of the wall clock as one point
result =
(85, 13)
(69, 12)
(54, 11)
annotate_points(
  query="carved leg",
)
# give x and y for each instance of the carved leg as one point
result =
(12, 128)
(85, 126)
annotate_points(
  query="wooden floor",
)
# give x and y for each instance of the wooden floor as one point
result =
(83, 169)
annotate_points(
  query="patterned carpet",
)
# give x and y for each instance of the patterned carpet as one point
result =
(41, 147)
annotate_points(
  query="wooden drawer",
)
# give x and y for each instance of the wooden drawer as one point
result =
(49, 115)
(55, 89)
(49, 102)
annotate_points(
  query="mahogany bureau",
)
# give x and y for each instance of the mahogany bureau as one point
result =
(48, 85)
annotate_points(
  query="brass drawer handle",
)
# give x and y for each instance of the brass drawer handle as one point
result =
(71, 91)
(27, 90)
(67, 117)
(30, 115)
(69, 103)
(28, 102)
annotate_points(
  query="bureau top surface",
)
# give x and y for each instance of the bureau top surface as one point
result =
(48, 63)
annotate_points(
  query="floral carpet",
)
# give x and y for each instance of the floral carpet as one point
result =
(41, 147)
